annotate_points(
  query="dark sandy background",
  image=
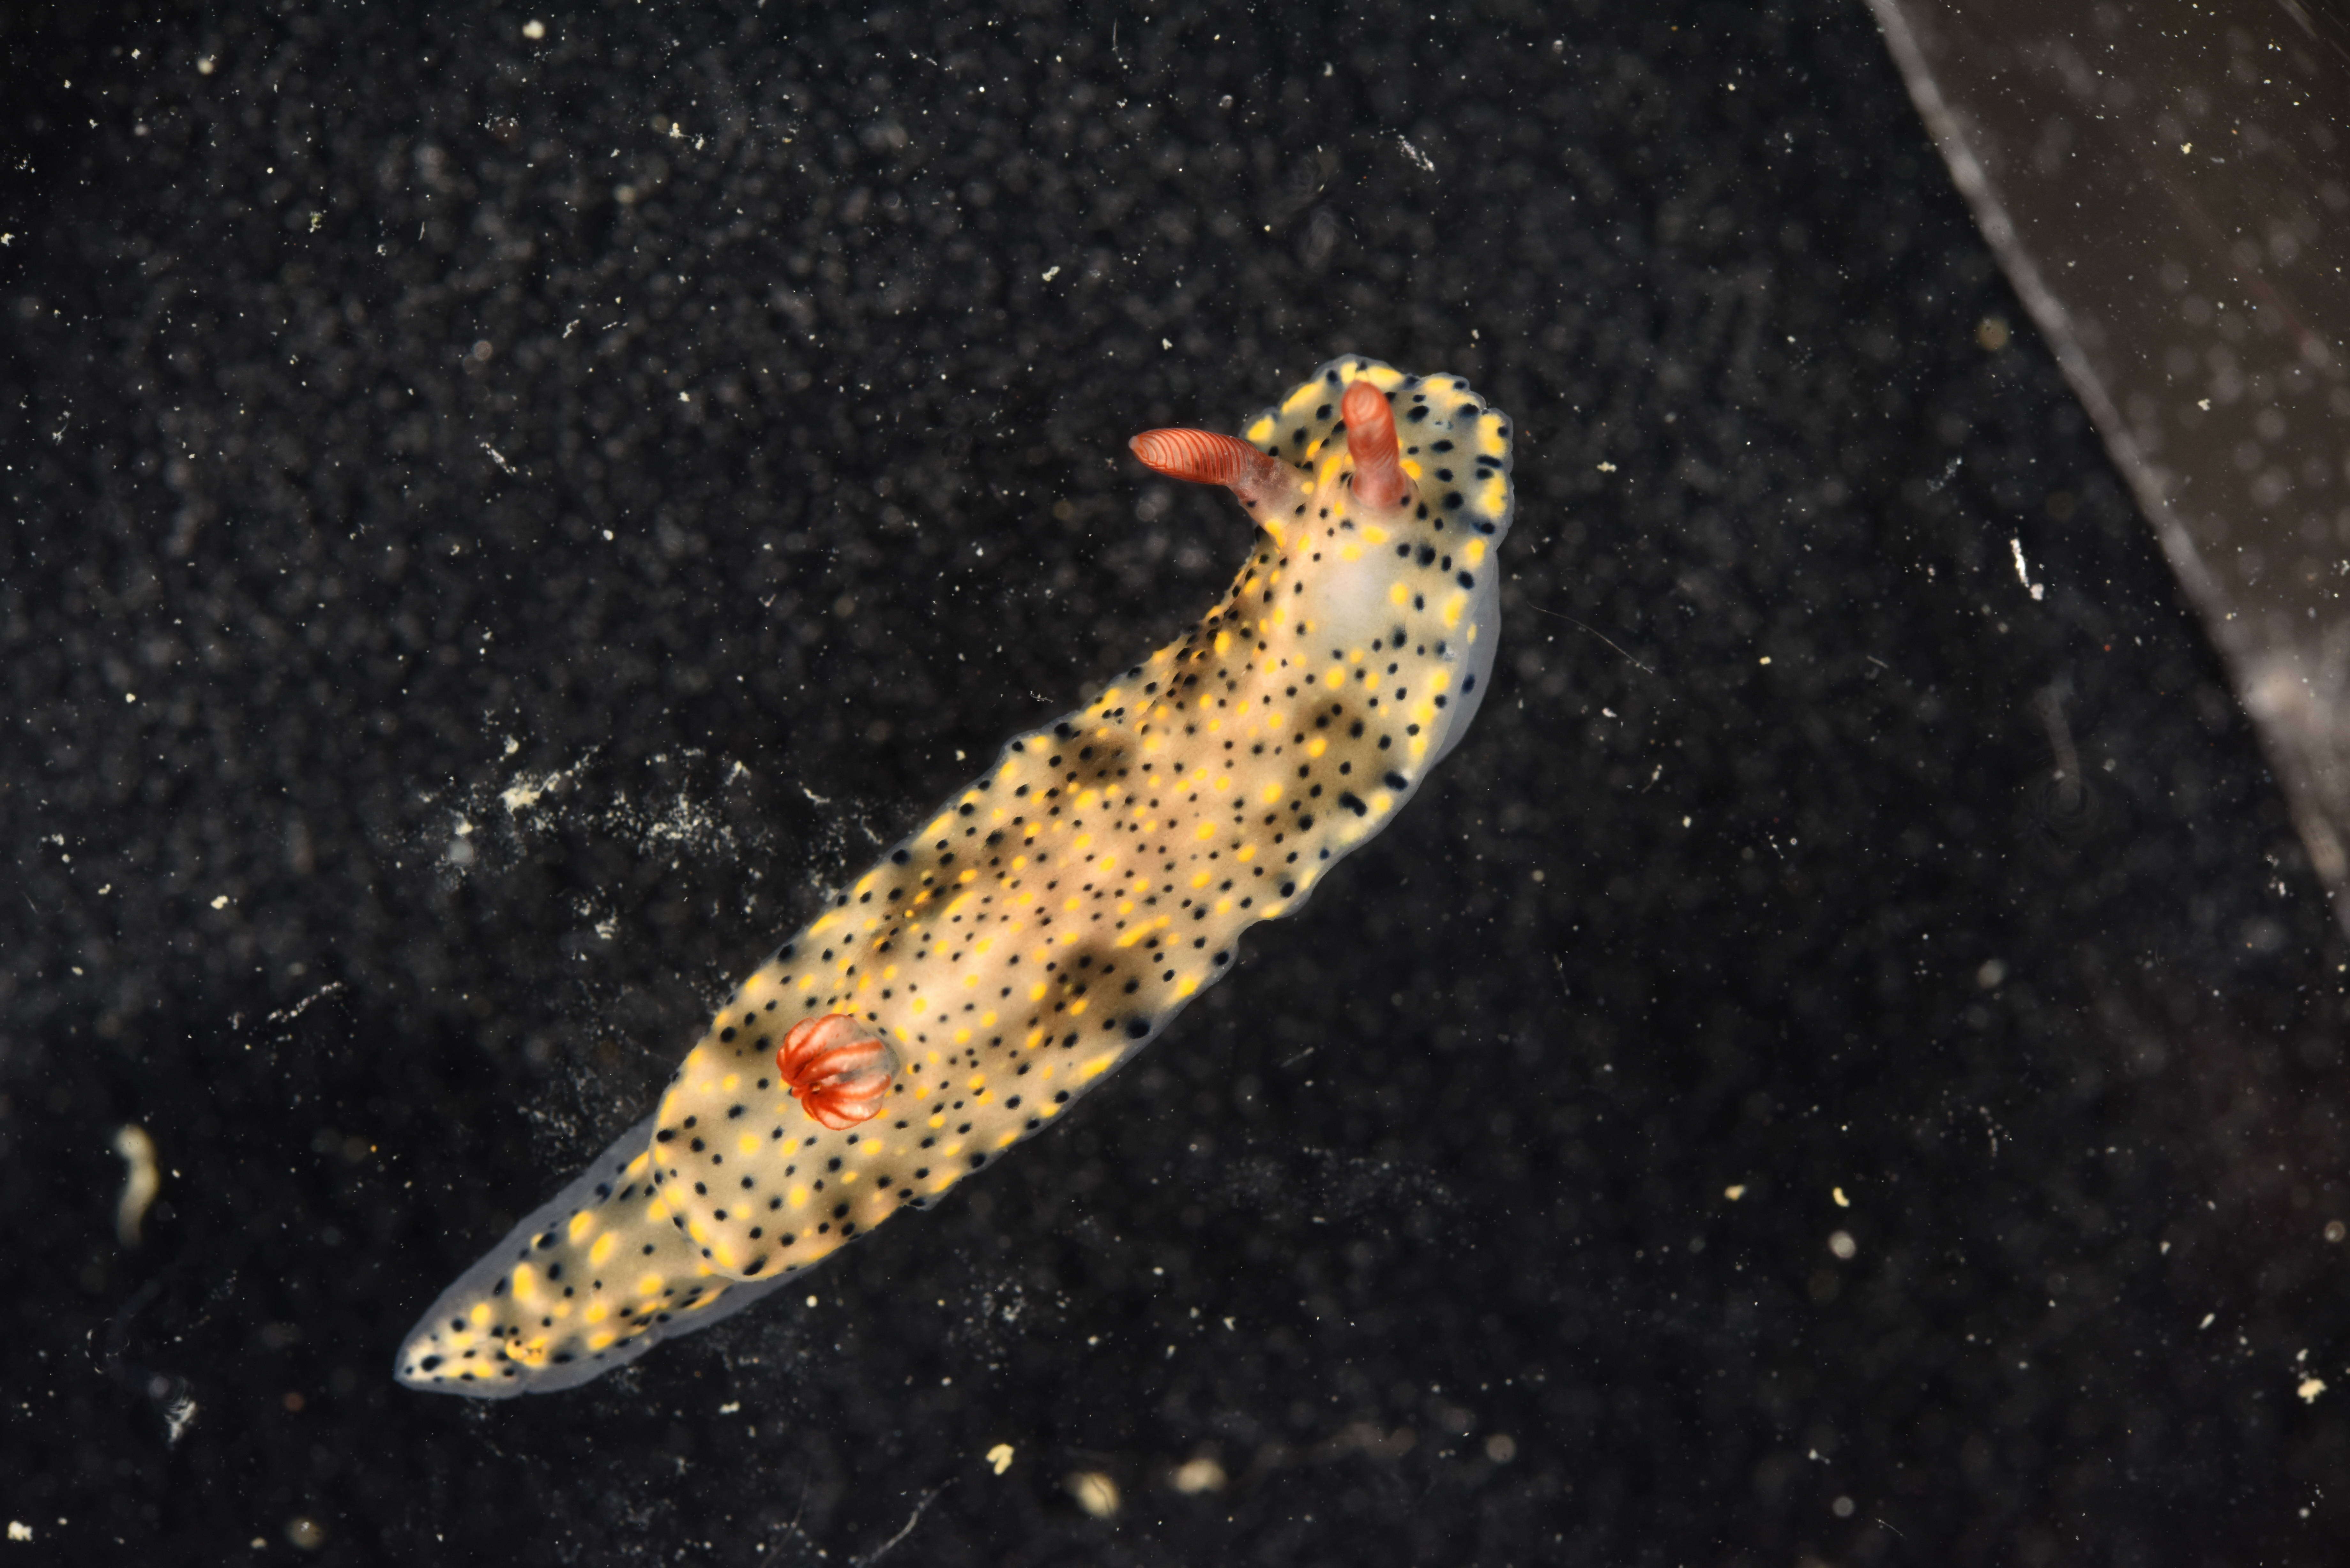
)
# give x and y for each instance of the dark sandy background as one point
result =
(492, 524)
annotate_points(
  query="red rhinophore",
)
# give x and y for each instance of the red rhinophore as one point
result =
(1371, 437)
(838, 1069)
(1203, 457)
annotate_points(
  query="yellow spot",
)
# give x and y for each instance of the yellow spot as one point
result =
(1454, 606)
(871, 1145)
(1259, 433)
(637, 1166)
(1007, 1140)
(1248, 851)
(748, 1142)
(602, 1339)
(1336, 677)
(649, 1284)
(1224, 641)
(1400, 593)
(1037, 992)
(602, 1250)
(799, 1195)
(1473, 552)
(479, 1315)
(732, 1082)
(525, 1282)
(1078, 1006)
(582, 1226)
(1093, 1069)
(1203, 878)
(1375, 535)
(1350, 551)
(597, 1312)
(1207, 830)
(1186, 986)
(1316, 746)
(700, 1233)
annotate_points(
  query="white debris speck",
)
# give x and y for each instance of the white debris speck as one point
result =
(2310, 1388)
(1414, 153)
(19, 1530)
(533, 30)
(1606, 468)
(999, 1458)
(221, 902)
(1094, 1492)
(1734, 1191)
(138, 1181)
(1841, 1200)
(1193, 1476)
(1842, 1244)
(1052, 272)
(526, 791)
(2024, 574)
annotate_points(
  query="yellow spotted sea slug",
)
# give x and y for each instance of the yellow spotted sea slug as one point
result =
(1052, 918)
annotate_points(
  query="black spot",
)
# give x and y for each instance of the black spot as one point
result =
(1395, 781)
(1135, 1028)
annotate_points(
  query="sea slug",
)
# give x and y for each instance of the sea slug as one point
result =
(1049, 920)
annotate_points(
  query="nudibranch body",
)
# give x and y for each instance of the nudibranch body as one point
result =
(1050, 920)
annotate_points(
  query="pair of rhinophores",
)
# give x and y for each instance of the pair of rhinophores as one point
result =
(1053, 917)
